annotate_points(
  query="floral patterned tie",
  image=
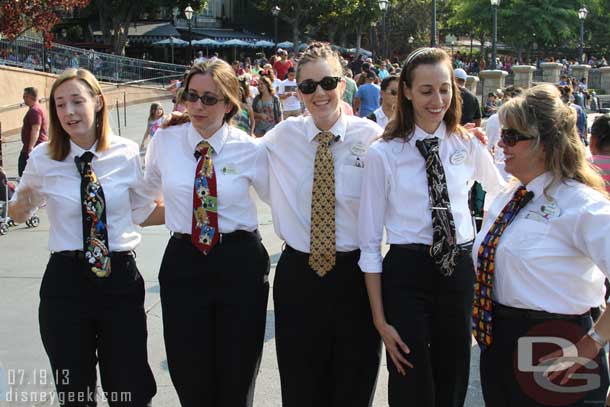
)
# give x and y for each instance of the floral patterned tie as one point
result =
(95, 232)
(204, 227)
(444, 245)
(483, 305)
(322, 237)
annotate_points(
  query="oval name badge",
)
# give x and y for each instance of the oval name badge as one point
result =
(550, 210)
(358, 149)
(458, 157)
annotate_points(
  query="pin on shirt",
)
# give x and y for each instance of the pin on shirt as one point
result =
(458, 157)
(550, 210)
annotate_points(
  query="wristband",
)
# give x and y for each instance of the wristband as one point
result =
(597, 337)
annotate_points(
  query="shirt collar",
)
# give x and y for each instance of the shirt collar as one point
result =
(538, 184)
(379, 112)
(338, 129)
(420, 134)
(217, 141)
(77, 151)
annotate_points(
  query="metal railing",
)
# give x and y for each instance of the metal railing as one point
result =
(27, 52)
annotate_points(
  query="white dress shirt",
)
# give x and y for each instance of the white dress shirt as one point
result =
(291, 147)
(291, 102)
(237, 157)
(382, 119)
(554, 254)
(118, 170)
(395, 191)
(492, 131)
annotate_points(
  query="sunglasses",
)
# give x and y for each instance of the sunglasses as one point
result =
(510, 137)
(394, 92)
(309, 86)
(206, 99)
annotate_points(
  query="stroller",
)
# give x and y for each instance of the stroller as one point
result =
(7, 189)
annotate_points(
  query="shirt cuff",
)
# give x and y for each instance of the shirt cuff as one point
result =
(370, 262)
(139, 215)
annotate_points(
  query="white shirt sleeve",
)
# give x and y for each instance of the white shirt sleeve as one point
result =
(31, 178)
(142, 199)
(592, 234)
(371, 213)
(153, 183)
(261, 177)
(487, 173)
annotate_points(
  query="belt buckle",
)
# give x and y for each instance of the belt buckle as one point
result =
(430, 250)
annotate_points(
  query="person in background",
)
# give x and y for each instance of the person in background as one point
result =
(600, 146)
(383, 72)
(282, 65)
(92, 294)
(155, 119)
(350, 87)
(389, 92)
(542, 256)
(581, 116)
(491, 104)
(471, 109)
(367, 97)
(266, 106)
(244, 118)
(288, 95)
(34, 129)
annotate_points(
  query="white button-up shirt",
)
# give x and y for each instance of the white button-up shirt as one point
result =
(291, 147)
(381, 118)
(238, 163)
(554, 254)
(119, 172)
(395, 191)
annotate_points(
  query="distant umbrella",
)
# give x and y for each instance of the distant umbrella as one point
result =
(236, 43)
(285, 44)
(206, 42)
(172, 41)
(264, 44)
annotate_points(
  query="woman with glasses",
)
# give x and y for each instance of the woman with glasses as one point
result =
(389, 91)
(213, 276)
(327, 347)
(416, 184)
(542, 256)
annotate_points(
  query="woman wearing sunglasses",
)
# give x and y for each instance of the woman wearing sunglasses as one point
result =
(389, 90)
(542, 255)
(416, 186)
(327, 347)
(213, 276)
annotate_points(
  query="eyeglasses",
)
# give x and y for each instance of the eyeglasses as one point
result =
(206, 99)
(309, 86)
(393, 92)
(510, 137)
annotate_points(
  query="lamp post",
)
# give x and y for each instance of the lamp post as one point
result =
(188, 13)
(275, 11)
(433, 28)
(373, 35)
(383, 6)
(494, 36)
(582, 14)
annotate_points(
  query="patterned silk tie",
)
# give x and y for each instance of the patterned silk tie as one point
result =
(204, 228)
(322, 238)
(481, 317)
(95, 233)
(444, 245)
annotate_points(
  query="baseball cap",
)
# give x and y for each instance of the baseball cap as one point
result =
(460, 74)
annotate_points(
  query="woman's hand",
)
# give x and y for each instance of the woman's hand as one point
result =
(476, 132)
(395, 347)
(28, 200)
(565, 362)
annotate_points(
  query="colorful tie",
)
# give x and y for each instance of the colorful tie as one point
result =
(444, 245)
(481, 317)
(322, 238)
(95, 233)
(204, 228)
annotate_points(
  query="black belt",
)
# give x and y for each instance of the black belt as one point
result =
(504, 311)
(292, 250)
(224, 237)
(78, 254)
(425, 248)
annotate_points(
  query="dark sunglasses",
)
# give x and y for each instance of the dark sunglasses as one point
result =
(510, 137)
(309, 86)
(206, 99)
(394, 92)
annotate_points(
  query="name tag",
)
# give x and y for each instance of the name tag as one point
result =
(537, 217)
(458, 157)
(230, 170)
(358, 149)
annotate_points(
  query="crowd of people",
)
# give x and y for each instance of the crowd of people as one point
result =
(353, 163)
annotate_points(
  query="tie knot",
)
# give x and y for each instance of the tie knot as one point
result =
(325, 138)
(202, 148)
(86, 157)
(523, 196)
(82, 161)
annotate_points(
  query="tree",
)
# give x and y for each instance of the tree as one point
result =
(18, 16)
(297, 14)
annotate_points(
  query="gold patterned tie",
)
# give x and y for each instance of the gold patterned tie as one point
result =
(322, 237)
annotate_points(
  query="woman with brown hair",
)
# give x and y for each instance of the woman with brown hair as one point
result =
(415, 185)
(213, 276)
(542, 256)
(92, 294)
(266, 106)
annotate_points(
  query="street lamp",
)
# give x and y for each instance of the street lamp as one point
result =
(494, 38)
(582, 14)
(383, 6)
(188, 13)
(275, 11)
(373, 34)
(433, 28)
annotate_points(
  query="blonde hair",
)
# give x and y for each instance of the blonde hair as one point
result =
(402, 122)
(541, 114)
(317, 51)
(59, 144)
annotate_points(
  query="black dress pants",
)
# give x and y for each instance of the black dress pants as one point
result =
(328, 349)
(214, 313)
(506, 382)
(85, 320)
(432, 315)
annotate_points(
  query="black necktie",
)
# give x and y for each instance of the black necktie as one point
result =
(95, 233)
(444, 245)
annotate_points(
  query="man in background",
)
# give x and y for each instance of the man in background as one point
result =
(34, 130)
